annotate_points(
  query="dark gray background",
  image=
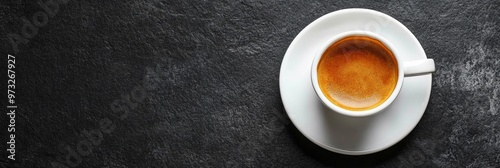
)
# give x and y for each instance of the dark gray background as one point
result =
(210, 73)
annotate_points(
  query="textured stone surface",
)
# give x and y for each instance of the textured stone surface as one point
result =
(209, 71)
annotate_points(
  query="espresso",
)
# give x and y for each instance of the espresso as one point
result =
(357, 73)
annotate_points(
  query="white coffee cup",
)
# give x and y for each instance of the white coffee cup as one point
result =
(405, 69)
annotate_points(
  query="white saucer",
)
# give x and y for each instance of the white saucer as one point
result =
(335, 132)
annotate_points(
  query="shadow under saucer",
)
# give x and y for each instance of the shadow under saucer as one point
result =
(335, 159)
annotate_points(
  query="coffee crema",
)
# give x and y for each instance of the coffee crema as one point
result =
(357, 73)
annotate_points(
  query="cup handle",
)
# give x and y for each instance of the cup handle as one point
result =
(419, 67)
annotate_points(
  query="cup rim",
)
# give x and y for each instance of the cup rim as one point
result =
(361, 113)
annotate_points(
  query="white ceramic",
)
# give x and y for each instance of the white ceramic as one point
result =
(337, 132)
(408, 68)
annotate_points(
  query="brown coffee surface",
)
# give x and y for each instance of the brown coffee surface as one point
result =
(357, 73)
